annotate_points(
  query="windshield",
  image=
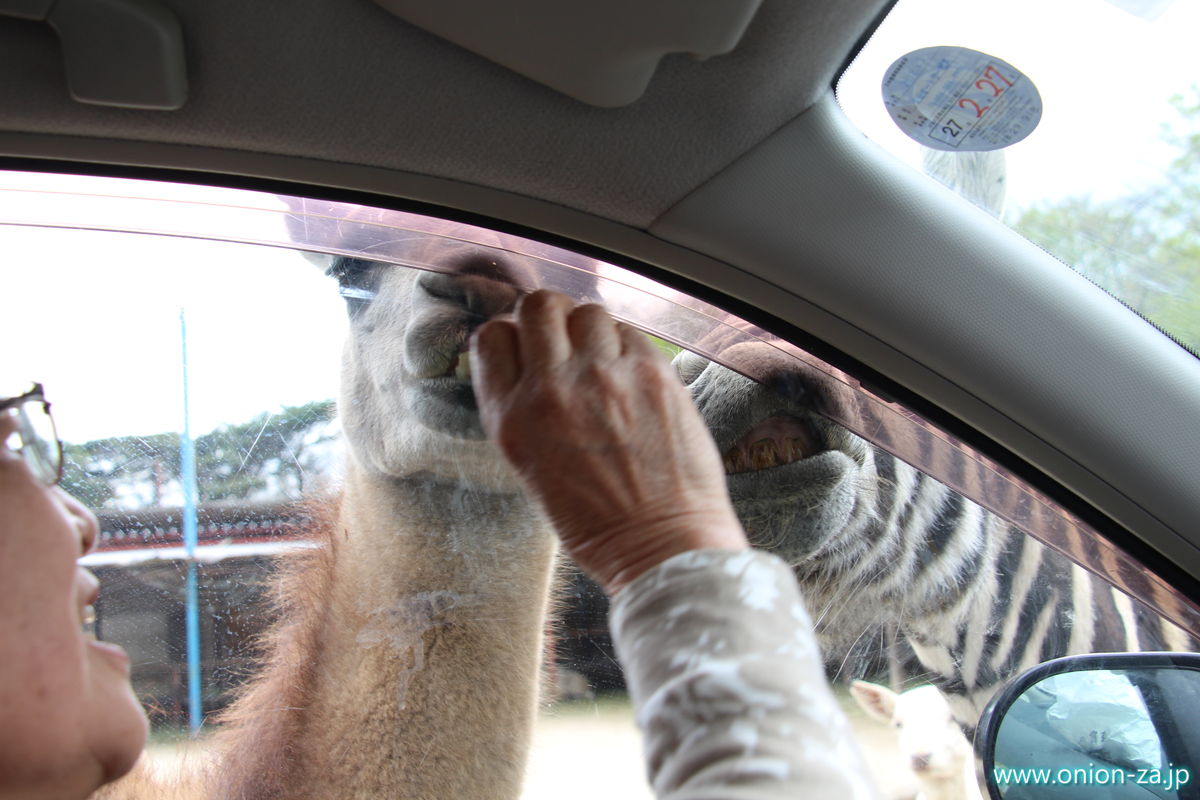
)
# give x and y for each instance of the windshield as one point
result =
(1109, 179)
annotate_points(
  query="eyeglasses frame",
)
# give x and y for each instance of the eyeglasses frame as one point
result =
(38, 395)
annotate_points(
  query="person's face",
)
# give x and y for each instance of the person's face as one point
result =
(68, 717)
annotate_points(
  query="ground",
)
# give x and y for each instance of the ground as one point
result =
(594, 748)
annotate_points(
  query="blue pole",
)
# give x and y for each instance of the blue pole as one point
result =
(187, 453)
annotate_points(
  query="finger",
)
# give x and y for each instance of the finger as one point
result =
(542, 329)
(593, 333)
(495, 359)
(634, 342)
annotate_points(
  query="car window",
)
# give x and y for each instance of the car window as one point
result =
(1104, 173)
(226, 366)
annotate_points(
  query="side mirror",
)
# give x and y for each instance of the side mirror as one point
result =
(1124, 726)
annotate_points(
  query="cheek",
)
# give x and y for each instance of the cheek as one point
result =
(38, 549)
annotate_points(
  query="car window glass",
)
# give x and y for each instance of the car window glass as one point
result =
(1107, 181)
(909, 581)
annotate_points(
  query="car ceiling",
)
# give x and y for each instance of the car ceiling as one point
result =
(738, 172)
(345, 82)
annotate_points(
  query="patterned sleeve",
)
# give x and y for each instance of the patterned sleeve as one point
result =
(728, 683)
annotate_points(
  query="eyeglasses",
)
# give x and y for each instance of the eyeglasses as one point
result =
(38, 441)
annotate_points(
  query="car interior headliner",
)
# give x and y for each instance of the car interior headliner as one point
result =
(349, 84)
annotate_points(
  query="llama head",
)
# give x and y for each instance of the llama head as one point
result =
(794, 477)
(406, 404)
(928, 737)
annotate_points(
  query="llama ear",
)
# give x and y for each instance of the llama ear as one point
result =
(878, 701)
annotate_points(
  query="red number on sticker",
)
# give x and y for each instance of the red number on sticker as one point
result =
(992, 72)
(968, 101)
(996, 90)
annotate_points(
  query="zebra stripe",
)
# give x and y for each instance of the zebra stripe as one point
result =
(882, 551)
(983, 600)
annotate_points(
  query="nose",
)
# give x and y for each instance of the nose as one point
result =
(920, 761)
(483, 282)
(83, 519)
(800, 382)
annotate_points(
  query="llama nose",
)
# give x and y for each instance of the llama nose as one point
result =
(482, 282)
(920, 761)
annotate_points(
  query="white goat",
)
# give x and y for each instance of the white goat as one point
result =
(928, 737)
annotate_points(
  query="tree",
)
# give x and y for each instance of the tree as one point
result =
(97, 471)
(236, 461)
(274, 453)
(1143, 248)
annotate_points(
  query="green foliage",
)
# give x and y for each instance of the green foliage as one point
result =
(90, 469)
(232, 461)
(671, 350)
(1144, 249)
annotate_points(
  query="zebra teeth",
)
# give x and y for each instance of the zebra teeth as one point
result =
(775, 442)
(764, 454)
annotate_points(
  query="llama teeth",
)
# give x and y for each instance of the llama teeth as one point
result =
(462, 368)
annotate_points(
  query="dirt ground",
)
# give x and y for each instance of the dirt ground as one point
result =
(592, 751)
(573, 739)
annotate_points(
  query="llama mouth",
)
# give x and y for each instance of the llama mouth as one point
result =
(443, 363)
(460, 366)
(446, 397)
(774, 442)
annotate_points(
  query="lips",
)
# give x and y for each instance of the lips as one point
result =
(436, 346)
(87, 621)
(88, 592)
(460, 366)
(112, 653)
(774, 442)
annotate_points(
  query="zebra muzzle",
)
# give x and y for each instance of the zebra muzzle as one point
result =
(773, 443)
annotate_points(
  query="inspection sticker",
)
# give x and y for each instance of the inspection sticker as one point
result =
(952, 98)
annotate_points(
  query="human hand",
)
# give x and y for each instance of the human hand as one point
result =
(604, 435)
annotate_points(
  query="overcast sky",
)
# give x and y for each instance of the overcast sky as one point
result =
(95, 317)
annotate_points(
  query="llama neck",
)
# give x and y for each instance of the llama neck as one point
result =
(420, 665)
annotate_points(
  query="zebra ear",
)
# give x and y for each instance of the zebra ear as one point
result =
(878, 701)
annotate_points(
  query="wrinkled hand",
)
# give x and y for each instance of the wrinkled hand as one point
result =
(604, 435)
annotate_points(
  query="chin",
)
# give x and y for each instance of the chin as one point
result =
(118, 724)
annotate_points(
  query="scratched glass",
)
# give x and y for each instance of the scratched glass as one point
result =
(248, 299)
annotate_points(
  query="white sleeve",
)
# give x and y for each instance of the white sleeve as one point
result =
(731, 696)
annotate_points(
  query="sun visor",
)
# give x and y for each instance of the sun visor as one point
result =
(601, 53)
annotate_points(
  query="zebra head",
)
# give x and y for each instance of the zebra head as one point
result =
(801, 485)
